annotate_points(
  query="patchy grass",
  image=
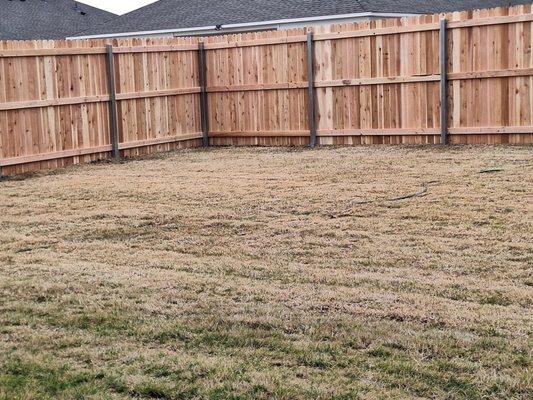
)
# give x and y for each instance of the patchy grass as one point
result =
(271, 274)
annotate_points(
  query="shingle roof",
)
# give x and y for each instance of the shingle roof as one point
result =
(47, 19)
(177, 14)
(434, 6)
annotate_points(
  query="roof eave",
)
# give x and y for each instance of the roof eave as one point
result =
(229, 28)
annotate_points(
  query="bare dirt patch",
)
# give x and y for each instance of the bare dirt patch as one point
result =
(379, 272)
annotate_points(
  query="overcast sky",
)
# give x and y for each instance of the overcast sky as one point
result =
(117, 6)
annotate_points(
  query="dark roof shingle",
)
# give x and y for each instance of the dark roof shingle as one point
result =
(177, 14)
(47, 19)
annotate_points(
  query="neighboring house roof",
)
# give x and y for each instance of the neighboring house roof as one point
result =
(181, 14)
(435, 6)
(47, 19)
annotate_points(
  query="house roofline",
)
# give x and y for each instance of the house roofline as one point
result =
(230, 28)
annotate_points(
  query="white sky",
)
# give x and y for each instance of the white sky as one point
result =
(117, 6)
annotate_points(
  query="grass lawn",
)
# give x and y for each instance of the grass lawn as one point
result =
(271, 274)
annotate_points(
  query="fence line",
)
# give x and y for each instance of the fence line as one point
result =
(373, 82)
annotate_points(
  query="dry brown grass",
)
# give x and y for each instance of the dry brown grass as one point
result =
(256, 273)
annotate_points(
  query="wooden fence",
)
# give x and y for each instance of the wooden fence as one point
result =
(65, 102)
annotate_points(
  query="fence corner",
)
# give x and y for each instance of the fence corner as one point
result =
(202, 66)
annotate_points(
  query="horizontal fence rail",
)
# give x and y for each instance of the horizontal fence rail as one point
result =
(67, 102)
